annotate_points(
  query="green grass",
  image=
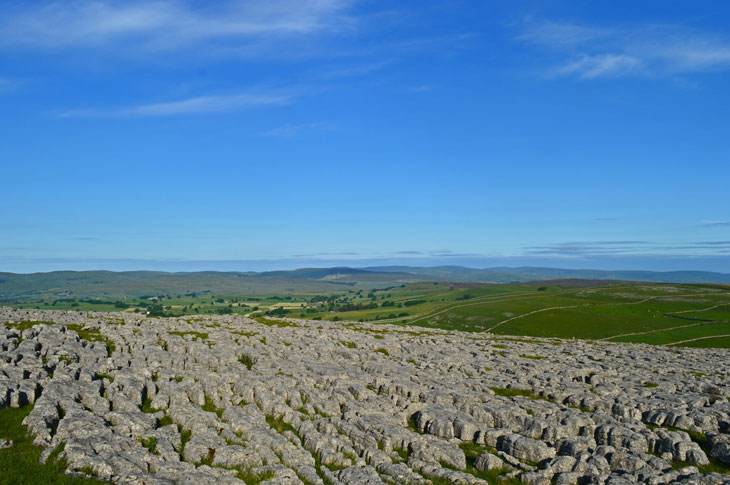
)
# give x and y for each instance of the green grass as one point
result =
(196, 335)
(382, 351)
(599, 312)
(274, 323)
(412, 425)
(150, 443)
(93, 335)
(147, 406)
(185, 435)
(511, 392)
(165, 421)
(248, 361)
(250, 477)
(210, 407)
(105, 376)
(472, 452)
(19, 463)
(715, 465)
(403, 454)
(720, 342)
(278, 425)
(26, 324)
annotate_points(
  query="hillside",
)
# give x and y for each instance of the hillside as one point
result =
(529, 273)
(109, 284)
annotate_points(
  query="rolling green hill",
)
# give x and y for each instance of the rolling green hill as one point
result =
(648, 312)
(108, 284)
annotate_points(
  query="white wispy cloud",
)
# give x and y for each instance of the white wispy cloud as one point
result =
(163, 24)
(197, 105)
(560, 35)
(352, 70)
(589, 52)
(603, 65)
(292, 130)
(714, 223)
(7, 85)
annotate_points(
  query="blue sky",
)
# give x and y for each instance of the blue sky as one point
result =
(241, 135)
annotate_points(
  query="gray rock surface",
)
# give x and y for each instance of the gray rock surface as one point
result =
(225, 399)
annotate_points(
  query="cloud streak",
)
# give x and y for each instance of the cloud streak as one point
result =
(588, 52)
(164, 24)
(190, 106)
(587, 248)
(604, 65)
(621, 248)
(292, 130)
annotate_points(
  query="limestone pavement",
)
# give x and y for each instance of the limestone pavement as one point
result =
(227, 399)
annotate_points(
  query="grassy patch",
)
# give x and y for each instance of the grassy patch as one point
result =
(382, 351)
(93, 335)
(147, 406)
(511, 392)
(274, 323)
(185, 435)
(19, 464)
(26, 324)
(196, 335)
(245, 334)
(247, 360)
(165, 421)
(278, 425)
(715, 465)
(403, 454)
(150, 443)
(533, 357)
(472, 452)
(210, 407)
(105, 376)
(250, 477)
(412, 425)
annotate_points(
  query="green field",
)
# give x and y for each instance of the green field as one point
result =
(653, 313)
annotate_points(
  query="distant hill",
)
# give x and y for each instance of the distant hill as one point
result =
(458, 273)
(626, 275)
(529, 273)
(109, 284)
(335, 273)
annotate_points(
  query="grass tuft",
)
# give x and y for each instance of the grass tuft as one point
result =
(93, 335)
(248, 360)
(251, 477)
(20, 465)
